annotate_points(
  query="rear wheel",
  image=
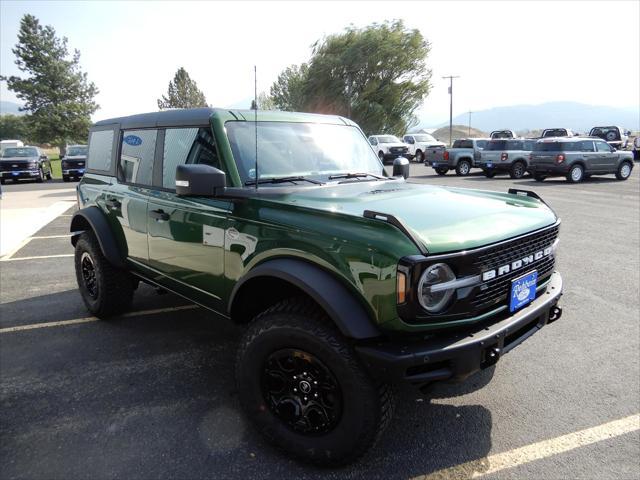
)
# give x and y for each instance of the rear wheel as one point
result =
(301, 384)
(441, 171)
(518, 170)
(463, 168)
(624, 171)
(419, 156)
(65, 178)
(105, 289)
(576, 174)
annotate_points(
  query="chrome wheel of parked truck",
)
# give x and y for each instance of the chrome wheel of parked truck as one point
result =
(345, 289)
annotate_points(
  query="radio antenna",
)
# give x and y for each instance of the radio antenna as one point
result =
(255, 105)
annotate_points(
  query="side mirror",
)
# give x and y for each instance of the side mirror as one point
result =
(199, 180)
(61, 157)
(401, 167)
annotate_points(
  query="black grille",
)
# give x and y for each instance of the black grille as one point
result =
(398, 149)
(497, 290)
(7, 166)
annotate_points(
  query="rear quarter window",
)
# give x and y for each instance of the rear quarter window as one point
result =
(100, 150)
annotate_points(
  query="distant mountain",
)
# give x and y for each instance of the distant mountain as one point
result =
(458, 131)
(577, 116)
(10, 108)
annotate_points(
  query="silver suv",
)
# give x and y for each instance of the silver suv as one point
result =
(577, 158)
(507, 156)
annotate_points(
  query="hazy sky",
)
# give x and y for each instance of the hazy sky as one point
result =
(506, 53)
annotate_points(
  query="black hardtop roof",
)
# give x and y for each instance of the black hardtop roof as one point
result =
(177, 117)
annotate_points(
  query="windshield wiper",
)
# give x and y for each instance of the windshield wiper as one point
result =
(283, 180)
(356, 175)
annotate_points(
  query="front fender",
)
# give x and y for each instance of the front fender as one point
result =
(92, 218)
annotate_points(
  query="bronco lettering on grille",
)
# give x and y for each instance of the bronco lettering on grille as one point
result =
(516, 264)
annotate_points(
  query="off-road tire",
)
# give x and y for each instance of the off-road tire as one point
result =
(442, 171)
(40, 178)
(489, 173)
(66, 178)
(463, 168)
(114, 286)
(419, 156)
(624, 171)
(573, 176)
(518, 170)
(367, 405)
(539, 178)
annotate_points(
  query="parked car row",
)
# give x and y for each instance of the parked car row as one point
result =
(575, 158)
(615, 136)
(20, 162)
(412, 146)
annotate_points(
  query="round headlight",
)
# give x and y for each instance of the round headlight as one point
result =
(435, 301)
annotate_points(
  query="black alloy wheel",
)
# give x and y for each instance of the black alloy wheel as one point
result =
(88, 270)
(301, 391)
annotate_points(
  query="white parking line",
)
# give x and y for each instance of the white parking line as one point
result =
(76, 321)
(5, 259)
(537, 451)
(43, 237)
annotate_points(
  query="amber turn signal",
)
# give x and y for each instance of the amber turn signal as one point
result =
(401, 287)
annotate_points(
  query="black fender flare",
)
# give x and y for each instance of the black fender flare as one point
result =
(341, 305)
(98, 222)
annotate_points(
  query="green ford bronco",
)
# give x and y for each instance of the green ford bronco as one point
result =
(349, 281)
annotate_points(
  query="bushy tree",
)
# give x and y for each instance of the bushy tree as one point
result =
(182, 93)
(56, 93)
(288, 91)
(14, 127)
(376, 75)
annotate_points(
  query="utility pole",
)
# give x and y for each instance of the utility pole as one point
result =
(470, 112)
(451, 77)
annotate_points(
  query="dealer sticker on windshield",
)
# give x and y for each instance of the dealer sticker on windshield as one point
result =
(523, 290)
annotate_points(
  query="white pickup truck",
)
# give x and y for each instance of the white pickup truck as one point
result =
(418, 144)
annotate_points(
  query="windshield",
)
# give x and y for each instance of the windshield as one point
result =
(19, 152)
(555, 132)
(389, 139)
(77, 151)
(424, 138)
(300, 149)
(501, 134)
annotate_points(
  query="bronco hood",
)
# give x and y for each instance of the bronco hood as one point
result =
(445, 219)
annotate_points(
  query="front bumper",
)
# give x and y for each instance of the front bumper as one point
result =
(393, 156)
(20, 174)
(73, 172)
(455, 356)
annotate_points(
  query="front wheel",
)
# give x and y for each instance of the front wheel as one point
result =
(419, 156)
(40, 178)
(576, 174)
(463, 168)
(624, 171)
(517, 170)
(301, 384)
(105, 289)
(65, 178)
(441, 171)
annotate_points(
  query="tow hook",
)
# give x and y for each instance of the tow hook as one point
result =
(492, 355)
(554, 314)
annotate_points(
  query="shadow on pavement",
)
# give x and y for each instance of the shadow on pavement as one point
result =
(155, 397)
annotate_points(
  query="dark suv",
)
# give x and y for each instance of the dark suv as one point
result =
(73, 163)
(577, 158)
(20, 163)
(345, 287)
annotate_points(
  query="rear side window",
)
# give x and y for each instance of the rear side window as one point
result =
(186, 145)
(528, 145)
(517, 145)
(137, 152)
(603, 147)
(557, 147)
(100, 150)
(496, 145)
(586, 146)
(463, 144)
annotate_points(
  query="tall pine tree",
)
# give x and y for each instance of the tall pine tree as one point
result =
(182, 93)
(56, 93)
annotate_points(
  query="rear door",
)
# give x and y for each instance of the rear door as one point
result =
(187, 234)
(126, 200)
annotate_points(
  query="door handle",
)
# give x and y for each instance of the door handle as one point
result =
(112, 203)
(159, 215)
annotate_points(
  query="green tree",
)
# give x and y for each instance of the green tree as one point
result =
(182, 93)
(376, 75)
(14, 127)
(55, 92)
(288, 91)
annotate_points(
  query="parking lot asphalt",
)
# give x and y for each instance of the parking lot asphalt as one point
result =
(152, 394)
